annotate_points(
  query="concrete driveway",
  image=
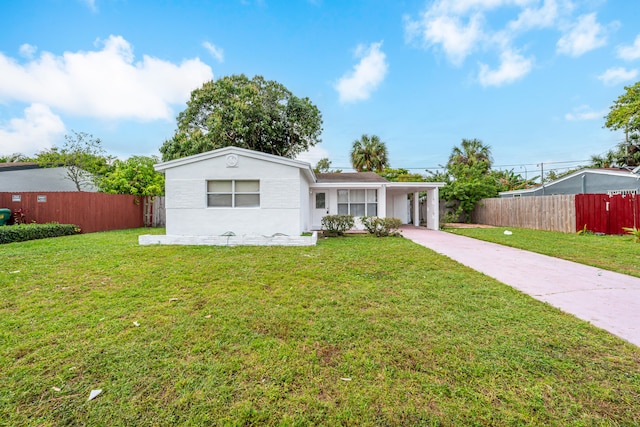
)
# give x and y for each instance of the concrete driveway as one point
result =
(608, 300)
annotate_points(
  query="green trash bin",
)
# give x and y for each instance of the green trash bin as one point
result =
(5, 216)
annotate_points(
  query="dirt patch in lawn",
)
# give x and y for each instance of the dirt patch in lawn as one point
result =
(465, 225)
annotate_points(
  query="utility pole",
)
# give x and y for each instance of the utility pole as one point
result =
(542, 176)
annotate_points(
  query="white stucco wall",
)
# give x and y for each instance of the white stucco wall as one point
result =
(280, 199)
(397, 207)
(305, 203)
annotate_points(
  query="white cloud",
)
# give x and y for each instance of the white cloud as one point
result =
(629, 53)
(616, 75)
(91, 4)
(105, 83)
(460, 7)
(513, 66)
(456, 37)
(27, 50)
(583, 112)
(37, 130)
(531, 17)
(366, 75)
(312, 156)
(215, 51)
(585, 35)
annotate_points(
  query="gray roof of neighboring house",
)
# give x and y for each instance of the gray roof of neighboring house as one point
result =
(323, 178)
(10, 166)
(24, 177)
(585, 181)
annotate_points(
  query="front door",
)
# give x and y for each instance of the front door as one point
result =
(320, 208)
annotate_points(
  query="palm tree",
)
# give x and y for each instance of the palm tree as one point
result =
(369, 154)
(471, 152)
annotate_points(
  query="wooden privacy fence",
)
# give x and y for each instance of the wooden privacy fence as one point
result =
(600, 213)
(90, 211)
(551, 213)
(154, 212)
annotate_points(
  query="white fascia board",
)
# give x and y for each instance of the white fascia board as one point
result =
(417, 185)
(347, 185)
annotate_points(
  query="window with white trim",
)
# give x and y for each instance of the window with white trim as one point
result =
(233, 193)
(362, 202)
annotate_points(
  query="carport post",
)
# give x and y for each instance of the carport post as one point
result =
(433, 209)
(416, 209)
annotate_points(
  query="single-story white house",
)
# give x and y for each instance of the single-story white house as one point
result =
(238, 196)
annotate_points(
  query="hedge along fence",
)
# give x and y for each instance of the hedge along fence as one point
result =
(89, 211)
(24, 232)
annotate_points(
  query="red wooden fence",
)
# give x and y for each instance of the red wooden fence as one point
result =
(607, 214)
(90, 211)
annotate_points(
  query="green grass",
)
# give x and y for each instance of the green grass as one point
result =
(614, 253)
(354, 331)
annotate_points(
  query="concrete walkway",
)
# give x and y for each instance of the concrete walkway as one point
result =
(608, 300)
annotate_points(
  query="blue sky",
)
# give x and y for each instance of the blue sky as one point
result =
(531, 78)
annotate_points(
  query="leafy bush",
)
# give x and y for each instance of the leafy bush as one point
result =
(381, 227)
(24, 232)
(336, 225)
(634, 232)
(584, 231)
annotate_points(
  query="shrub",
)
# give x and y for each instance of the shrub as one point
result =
(24, 232)
(381, 227)
(635, 232)
(336, 225)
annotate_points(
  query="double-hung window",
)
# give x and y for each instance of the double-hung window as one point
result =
(362, 202)
(233, 193)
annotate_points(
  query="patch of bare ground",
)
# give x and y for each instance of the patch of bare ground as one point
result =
(466, 225)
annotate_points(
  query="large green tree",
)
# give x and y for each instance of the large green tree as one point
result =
(624, 114)
(324, 166)
(14, 158)
(468, 176)
(136, 176)
(369, 154)
(508, 180)
(625, 154)
(83, 157)
(401, 175)
(257, 114)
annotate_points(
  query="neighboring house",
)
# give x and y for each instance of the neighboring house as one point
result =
(238, 196)
(586, 181)
(28, 177)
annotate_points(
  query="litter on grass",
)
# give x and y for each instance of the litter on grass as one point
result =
(94, 394)
(508, 233)
(136, 324)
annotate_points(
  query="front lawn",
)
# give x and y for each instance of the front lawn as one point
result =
(354, 331)
(615, 253)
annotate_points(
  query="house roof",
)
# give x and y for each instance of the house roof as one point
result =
(31, 177)
(349, 177)
(14, 166)
(306, 167)
(323, 180)
(617, 172)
